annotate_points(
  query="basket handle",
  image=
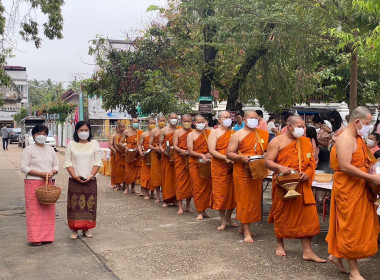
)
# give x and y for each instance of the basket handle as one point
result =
(47, 181)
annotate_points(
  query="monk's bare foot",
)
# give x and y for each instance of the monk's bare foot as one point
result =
(248, 238)
(189, 211)
(311, 256)
(205, 215)
(133, 191)
(141, 194)
(152, 197)
(338, 262)
(157, 201)
(126, 192)
(221, 227)
(232, 223)
(180, 212)
(200, 217)
(356, 276)
(242, 232)
(146, 197)
(280, 250)
(165, 205)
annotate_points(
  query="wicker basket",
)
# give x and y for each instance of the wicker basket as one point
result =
(323, 177)
(48, 194)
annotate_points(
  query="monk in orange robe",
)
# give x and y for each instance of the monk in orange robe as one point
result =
(354, 226)
(198, 149)
(119, 156)
(222, 196)
(182, 175)
(131, 136)
(145, 169)
(167, 163)
(154, 144)
(248, 141)
(113, 164)
(297, 217)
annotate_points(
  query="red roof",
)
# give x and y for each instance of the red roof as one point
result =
(68, 94)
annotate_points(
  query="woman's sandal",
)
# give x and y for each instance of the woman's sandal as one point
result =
(87, 233)
(74, 235)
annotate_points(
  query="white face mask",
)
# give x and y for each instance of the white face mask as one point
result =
(173, 121)
(227, 122)
(83, 135)
(370, 143)
(200, 126)
(40, 139)
(363, 132)
(252, 123)
(298, 132)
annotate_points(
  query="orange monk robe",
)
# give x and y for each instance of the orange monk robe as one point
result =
(201, 186)
(354, 225)
(182, 175)
(119, 164)
(113, 169)
(132, 169)
(223, 197)
(248, 192)
(155, 166)
(168, 173)
(145, 169)
(298, 217)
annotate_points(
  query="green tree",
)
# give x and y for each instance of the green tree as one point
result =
(19, 116)
(28, 27)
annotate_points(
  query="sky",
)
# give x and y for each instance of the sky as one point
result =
(62, 60)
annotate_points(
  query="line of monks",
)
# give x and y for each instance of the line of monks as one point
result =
(210, 166)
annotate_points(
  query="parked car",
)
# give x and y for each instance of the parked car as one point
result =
(27, 124)
(14, 134)
(50, 140)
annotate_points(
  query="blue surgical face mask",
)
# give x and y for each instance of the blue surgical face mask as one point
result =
(135, 125)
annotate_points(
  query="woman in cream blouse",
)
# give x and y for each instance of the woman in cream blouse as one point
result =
(83, 158)
(37, 162)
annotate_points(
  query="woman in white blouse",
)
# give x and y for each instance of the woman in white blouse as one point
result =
(83, 158)
(37, 162)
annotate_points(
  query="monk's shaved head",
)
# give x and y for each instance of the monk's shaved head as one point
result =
(152, 121)
(250, 114)
(134, 120)
(186, 116)
(120, 124)
(360, 113)
(199, 118)
(173, 115)
(161, 117)
(295, 119)
(224, 114)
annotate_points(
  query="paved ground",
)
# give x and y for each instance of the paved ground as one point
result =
(137, 239)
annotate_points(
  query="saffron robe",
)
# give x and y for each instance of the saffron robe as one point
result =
(113, 169)
(248, 192)
(182, 175)
(201, 186)
(298, 217)
(155, 167)
(168, 173)
(354, 225)
(145, 169)
(223, 197)
(133, 169)
(119, 164)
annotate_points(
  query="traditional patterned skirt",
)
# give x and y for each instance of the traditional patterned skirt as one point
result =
(40, 218)
(81, 205)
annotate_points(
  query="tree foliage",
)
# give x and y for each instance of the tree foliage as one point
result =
(28, 26)
(274, 52)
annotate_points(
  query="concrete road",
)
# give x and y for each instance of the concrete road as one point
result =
(137, 239)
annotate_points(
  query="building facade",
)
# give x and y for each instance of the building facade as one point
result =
(20, 79)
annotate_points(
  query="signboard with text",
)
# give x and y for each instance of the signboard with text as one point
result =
(205, 108)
